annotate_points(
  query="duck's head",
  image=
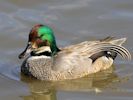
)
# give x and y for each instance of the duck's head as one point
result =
(40, 36)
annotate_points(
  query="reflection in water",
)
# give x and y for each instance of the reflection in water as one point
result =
(46, 90)
(47, 95)
(40, 90)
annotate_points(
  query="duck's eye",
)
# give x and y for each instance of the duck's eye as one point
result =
(41, 35)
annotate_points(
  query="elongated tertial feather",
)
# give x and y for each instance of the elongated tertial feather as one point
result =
(123, 52)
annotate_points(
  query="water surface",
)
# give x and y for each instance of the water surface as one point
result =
(73, 21)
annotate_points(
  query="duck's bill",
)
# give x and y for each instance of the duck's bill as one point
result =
(27, 50)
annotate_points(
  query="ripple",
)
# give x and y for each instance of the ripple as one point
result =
(31, 15)
(70, 6)
(12, 72)
(117, 15)
(7, 22)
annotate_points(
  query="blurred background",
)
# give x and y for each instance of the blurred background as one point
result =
(73, 21)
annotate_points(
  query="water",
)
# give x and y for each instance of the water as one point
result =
(73, 21)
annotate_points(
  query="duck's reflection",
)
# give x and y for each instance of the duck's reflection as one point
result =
(48, 94)
(46, 90)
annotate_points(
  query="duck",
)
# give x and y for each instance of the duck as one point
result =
(44, 60)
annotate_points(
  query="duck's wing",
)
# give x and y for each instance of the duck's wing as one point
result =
(83, 53)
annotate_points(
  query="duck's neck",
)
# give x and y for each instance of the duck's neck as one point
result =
(54, 49)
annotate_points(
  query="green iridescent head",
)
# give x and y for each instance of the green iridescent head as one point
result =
(41, 35)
